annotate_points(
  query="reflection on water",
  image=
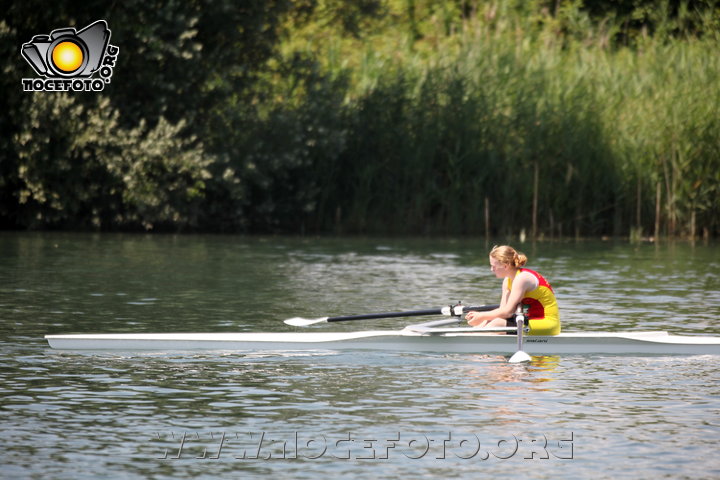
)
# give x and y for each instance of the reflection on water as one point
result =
(504, 375)
(109, 415)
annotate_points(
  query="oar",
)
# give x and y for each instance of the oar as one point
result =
(450, 310)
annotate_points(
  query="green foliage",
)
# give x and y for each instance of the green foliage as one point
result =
(130, 158)
(386, 116)
(90, 172)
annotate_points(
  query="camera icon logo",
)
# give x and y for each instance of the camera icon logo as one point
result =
(67, 54)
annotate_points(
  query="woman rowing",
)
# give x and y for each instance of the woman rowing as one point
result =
(521, 286)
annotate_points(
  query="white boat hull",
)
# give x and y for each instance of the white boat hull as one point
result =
(626, 343)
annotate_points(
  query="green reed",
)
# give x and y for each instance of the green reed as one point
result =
(392, 116)
(513, 127)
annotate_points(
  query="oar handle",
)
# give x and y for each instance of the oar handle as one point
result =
(456, 310)
(480, 308)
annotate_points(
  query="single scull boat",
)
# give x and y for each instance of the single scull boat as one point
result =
(425, 337)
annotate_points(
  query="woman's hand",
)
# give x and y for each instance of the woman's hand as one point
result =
(478, 319)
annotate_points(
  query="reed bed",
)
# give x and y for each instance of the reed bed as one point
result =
(491, 117)
(502, 128)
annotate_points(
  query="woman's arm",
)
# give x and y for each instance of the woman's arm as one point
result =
(522, 284)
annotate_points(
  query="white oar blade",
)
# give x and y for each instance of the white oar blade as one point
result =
(304, 322)
(520, 357)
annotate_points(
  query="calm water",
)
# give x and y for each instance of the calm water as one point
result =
(331, 414)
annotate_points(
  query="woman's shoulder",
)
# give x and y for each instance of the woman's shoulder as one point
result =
(527, 277)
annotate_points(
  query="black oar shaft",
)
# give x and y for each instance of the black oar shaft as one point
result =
(369, 316)
(411, 313)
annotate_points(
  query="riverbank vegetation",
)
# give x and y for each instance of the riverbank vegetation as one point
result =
(556, 118)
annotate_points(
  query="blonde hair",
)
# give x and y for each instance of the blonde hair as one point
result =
(508, 255)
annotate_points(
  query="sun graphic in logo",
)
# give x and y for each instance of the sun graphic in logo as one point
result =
(67, 56)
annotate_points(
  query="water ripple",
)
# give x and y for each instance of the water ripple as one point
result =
(109, 415)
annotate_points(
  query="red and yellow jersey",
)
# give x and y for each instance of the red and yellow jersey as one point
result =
(542, 307)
